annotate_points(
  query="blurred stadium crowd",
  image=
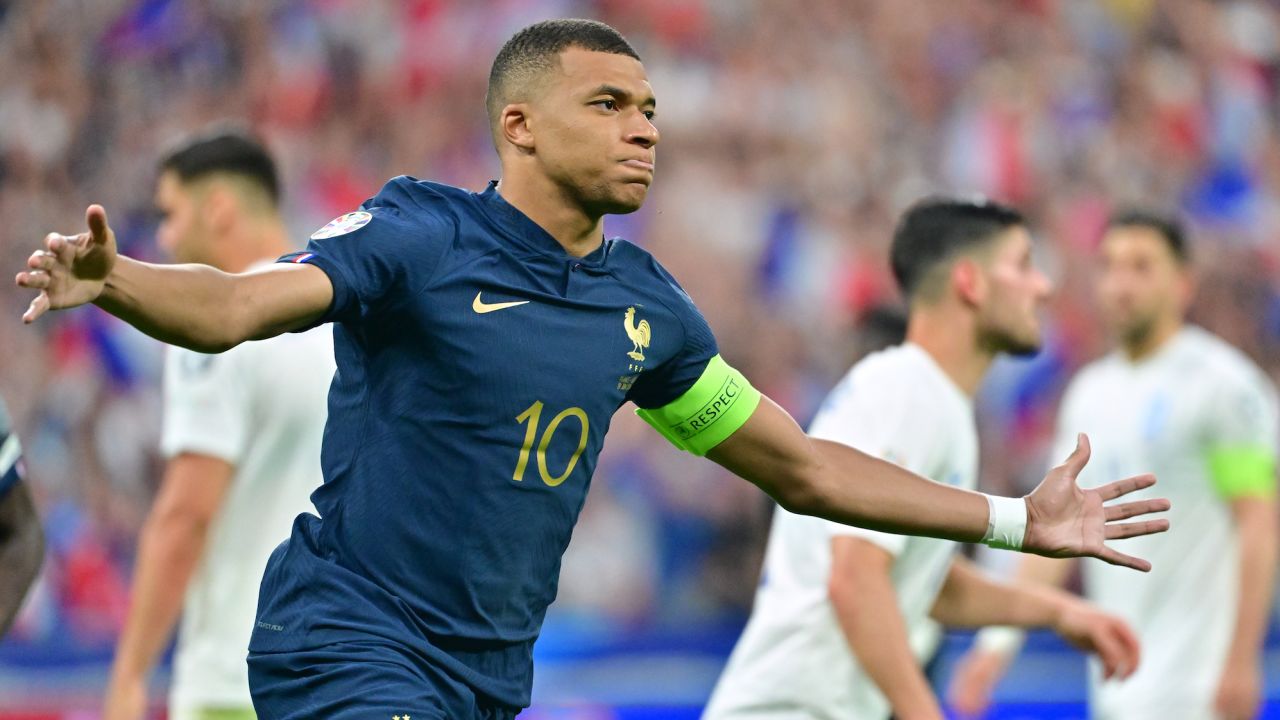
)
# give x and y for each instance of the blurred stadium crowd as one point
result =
(792, 136)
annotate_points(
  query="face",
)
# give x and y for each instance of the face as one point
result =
(182, 233)
(1008, 310)
(1141, 283)
(592, 130)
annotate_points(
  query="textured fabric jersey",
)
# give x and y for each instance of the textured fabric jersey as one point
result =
(260, 407)
(793, 659)
(10, 453)
(479, 366)
(1168, 414)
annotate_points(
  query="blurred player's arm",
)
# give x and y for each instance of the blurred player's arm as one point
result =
(21, 549)
(970, 598)
(1244, 423)
(169, 549)
(979, 670)
(866, 606)
(830, 480)
(193, 306)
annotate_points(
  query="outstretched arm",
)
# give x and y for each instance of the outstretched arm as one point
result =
(194, 306)
(837, 482)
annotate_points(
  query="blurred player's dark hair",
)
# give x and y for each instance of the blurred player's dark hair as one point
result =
(1167, 226)
(224, 151)
(534, 50)
(936, 229)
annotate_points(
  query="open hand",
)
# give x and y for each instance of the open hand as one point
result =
(70, 270)
(1064, 520)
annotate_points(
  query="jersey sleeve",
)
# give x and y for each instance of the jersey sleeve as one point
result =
(10, 454)
(207, 407)
(1242, 438)
(379, 255)
(886, 419)
(695, 399)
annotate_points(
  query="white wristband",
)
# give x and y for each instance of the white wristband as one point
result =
(1001, 640)
(1006, 522)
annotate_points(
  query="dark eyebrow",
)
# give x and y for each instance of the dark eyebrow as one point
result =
(623, 95)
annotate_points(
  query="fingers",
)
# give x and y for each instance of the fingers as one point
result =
(37, 308)
(1123, 511)
(1079, 457)
(1109, 651)
(96, 218)
(33, 280)
(1108, 555)
(1113, 490)
(1132, 648)
(41, 260)
(1120, 531)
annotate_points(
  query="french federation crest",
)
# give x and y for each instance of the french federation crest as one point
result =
(342, 225)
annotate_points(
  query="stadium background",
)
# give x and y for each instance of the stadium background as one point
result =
(793, 133)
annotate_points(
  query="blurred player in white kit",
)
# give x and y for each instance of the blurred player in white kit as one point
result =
(1180, 402)
(844, 617)
(242, 435)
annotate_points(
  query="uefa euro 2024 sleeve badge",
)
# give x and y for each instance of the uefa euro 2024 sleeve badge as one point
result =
(342, 225)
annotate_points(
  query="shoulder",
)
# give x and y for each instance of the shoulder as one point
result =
(887, 381)
(1094, 375)
(1216, 359)
(415, 201)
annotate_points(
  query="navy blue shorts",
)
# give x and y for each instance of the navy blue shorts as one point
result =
(351, 680)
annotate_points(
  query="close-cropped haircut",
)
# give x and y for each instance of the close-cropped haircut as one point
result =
(1168, 227)
(536, 49)
(224, 152)
(935, 230)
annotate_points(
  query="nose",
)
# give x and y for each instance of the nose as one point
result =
(643, 132)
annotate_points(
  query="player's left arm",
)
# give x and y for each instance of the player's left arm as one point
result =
(971, 598)
(1242, 466)
(839, 483)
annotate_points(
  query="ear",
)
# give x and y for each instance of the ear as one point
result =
(968, 281)
(516, 126)
(1188, 285)
(219, 210)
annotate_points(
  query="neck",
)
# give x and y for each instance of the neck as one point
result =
(256, 239)
(951, 339)
(1141, 347)
(547, 204)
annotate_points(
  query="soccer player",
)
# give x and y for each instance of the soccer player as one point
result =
(21, 538)
(484, 341)
(1175, 398)
(242, 436)
(841, 620)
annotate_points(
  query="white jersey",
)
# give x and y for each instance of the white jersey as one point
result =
(793, 659)
(1165, 414)
(261, 407)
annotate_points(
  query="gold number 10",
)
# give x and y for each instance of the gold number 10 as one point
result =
(533, 414)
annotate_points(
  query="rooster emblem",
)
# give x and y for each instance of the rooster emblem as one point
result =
(639, 334)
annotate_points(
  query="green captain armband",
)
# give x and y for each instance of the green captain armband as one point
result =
(1246, 471)
(717, 405)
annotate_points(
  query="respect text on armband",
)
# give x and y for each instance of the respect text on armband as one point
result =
(713, 410)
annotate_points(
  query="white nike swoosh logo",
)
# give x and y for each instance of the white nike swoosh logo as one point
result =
(482, 307)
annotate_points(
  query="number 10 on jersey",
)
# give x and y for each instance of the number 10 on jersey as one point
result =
(533, 416)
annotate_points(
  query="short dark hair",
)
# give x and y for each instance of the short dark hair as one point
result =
(535, 50)
(1167, 226)
(936, 229)
(224, 151)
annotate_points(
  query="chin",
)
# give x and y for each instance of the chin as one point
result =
(624, 202)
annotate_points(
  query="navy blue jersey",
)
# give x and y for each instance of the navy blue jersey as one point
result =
(479, 366)
(10, 454)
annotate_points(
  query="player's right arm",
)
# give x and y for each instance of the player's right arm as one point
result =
(193, 306)
(866, 606)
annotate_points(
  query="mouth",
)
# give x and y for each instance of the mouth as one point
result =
(638, 164)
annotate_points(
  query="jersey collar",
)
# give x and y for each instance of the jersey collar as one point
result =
(531, 234)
